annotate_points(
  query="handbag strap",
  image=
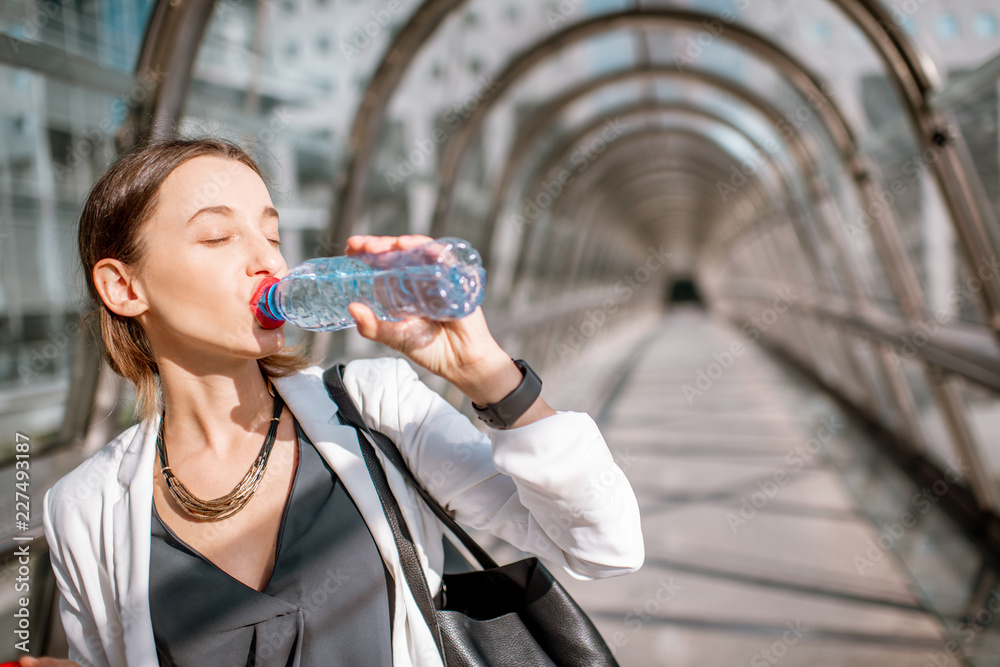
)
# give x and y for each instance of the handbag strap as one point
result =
(333, 377)
(412, 571)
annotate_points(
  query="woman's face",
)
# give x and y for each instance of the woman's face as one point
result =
(211, 240)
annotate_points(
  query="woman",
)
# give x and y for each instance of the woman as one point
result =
(302, 568)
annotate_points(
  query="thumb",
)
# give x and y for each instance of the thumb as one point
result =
(365, 318)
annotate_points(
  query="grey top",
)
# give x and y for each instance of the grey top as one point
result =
(327, 602)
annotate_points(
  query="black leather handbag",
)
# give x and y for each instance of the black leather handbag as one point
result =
(516, 615)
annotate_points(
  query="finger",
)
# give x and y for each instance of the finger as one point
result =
(368, 243)
(365, 318)
(408, 241)
(378, 244)
(356, 242)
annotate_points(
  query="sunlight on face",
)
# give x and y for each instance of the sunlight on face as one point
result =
(210, 242)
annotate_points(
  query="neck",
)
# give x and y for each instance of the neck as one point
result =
(218, 410)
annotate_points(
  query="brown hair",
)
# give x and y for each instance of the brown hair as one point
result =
(111, 225)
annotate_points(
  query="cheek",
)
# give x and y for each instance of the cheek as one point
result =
(203, 296)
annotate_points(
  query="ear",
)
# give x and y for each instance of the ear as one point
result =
(117, 283)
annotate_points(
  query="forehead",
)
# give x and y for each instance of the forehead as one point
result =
(209, 181)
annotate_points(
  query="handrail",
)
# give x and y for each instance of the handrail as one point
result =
(935, 344)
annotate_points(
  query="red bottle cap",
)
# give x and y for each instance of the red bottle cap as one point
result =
(265, 320)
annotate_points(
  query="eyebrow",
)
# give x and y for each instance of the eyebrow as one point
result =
(268, 212)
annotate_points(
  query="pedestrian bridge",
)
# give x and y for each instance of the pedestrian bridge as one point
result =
(755, 239)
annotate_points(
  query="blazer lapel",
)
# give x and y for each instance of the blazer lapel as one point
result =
(129, 551)
(306, 396)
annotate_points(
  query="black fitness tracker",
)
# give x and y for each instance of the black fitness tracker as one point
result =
(509, 409)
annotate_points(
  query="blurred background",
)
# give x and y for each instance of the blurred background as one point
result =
(755, 239)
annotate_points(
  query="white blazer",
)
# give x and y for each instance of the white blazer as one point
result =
(550, 488)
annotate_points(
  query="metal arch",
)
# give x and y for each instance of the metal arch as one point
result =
(655, 164)
(911, 68)
(869, 15)
(621, 152)
(558, 154)
(605, 164)
(636, 187)
(888, 240)
(165, 63)
(665, 176)
(362, 134)
(169, 51)
(648, 157)
(807, 163)
(904, 63)
(679, 204)
(800, 77)
(687, 196)
(596, 213)
(620, 145)
(963, 195)
(368, 119)
(951, 172)
(808, 241)
(652, 162)
(537, 123)
(809, 85)
(644, 135)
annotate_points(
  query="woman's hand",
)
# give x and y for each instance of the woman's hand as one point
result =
(30, 661)
(463, 351)
(457, 350)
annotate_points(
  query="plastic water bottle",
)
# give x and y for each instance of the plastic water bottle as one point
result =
(442, 279)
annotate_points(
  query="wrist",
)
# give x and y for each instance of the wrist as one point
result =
(490, 379)
(512, 410)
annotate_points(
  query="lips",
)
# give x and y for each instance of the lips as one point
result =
(263, 318)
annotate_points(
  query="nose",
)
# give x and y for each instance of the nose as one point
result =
(266, 258)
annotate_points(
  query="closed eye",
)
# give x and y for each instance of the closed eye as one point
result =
(217, 241)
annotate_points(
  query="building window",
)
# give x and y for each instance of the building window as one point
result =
(946, 26)
(985, 24)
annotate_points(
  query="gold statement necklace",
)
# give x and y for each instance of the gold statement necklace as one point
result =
(231, 503)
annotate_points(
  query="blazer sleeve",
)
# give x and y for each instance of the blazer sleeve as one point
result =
(551, 487)
(82, 634)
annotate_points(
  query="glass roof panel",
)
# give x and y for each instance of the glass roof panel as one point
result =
(956, 35)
